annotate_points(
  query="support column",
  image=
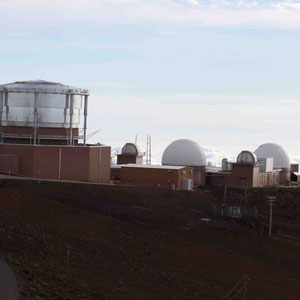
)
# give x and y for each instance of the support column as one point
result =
(35, 114)
(71, 118)
(1, 111)
(86, 99)
(6, 106)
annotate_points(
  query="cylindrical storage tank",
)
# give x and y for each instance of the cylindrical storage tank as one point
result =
(40, 105)
(225, 167)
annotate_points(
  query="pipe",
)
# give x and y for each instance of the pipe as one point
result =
(71, 119)
(1, 111)
(35, 113)
(86, 98)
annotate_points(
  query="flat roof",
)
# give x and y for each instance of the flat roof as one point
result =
(164, 167)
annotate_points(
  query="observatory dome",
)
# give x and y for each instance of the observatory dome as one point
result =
(130, 149)
(279, 155)
(247, 157)
(184, 153)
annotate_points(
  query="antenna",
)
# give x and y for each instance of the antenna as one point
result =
(148, 152)
(92, 134)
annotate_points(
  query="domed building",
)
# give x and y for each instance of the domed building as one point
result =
(280, 157)
(281, 160)
(130, 154)
(188, 153)
(247, 157)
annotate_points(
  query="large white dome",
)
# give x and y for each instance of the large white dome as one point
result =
(184, 153)
(280, 157)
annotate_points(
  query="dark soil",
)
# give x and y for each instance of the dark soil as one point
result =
(81, 241)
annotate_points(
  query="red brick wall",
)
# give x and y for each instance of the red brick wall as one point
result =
(77, 163)
(9, 164)
(25, 155)
(155, 177)
(242, 175)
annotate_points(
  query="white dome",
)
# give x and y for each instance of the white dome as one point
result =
(280, 157)
(184, 153)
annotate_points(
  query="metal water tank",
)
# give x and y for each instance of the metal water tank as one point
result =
(42, 104)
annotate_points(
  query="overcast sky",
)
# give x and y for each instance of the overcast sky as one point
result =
(223, 73)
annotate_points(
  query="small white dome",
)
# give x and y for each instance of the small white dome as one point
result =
(130, 149)
(247, 157)
(184, 153)
(280, 157)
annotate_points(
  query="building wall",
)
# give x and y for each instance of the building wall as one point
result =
(164, 178)
(60, 162)
(25, 156)
(295, 168)
(99, 164)
(243, 174)
(220, 178)
(246, 176)
(9, 164)
(129, 159)
(269, 179)
(29, 131)
(199, 175)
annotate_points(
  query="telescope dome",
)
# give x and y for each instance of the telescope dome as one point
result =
(184, 153)
(270, 150)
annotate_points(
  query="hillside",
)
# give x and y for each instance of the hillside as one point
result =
(81, 241)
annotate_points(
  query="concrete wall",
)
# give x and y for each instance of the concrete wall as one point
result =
(61, 162)
(99, 164)
(164, 178)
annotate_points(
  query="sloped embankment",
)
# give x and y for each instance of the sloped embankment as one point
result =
(81, 241)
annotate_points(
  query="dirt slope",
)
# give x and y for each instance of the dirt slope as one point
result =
(82, 241)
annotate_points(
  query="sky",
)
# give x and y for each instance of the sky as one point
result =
(222, 73)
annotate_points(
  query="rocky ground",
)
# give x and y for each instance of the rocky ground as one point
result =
(77, 241)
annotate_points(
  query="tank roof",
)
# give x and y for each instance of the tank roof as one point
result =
(41, 86)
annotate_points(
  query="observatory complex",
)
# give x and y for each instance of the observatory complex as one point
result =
(40, 137)
(43, 134)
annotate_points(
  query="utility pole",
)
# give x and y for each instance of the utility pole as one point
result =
(225, 193)
(271, 203)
